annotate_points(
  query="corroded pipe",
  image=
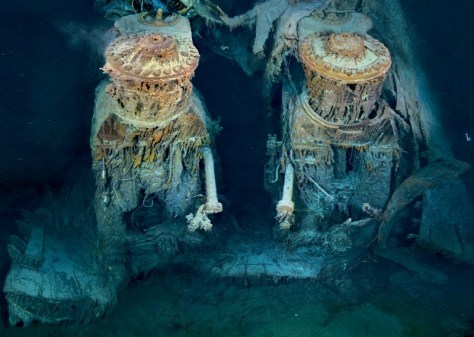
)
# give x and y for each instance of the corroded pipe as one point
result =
(212, 204)
(286, 206)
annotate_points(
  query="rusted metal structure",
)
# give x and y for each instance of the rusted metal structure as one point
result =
(340, 138)
(150, 132)
(344, 75)
(360, 153)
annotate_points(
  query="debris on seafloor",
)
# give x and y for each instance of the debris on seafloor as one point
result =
(359, 143)
(427, 177)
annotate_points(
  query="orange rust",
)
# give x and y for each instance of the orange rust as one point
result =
(344, 75)
(151, 75)
(350, 58)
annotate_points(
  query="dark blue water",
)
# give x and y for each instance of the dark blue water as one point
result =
(47, 92)
(445, 45)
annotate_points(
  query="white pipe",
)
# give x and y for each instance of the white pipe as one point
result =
(212, 204)
(286, 205)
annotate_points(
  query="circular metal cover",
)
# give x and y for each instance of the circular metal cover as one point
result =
(347, 57)
(151, 58)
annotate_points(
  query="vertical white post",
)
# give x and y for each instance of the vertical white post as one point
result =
(212, 204)
(286, 206)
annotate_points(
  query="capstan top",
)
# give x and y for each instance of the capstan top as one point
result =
(150, 58)
(351, 58)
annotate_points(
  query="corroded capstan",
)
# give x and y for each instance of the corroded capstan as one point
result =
(344, 74)
(149, 136)
(151, 75)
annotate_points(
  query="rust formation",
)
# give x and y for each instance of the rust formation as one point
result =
(146, 107)
(148, 133)
(344, 74)
(150, 75)
(339, 135)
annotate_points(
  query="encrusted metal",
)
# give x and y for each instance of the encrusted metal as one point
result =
(339, 136)
(153, 58)
(344, 74)
(50, 286)
(149, 135)
(150, 75)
